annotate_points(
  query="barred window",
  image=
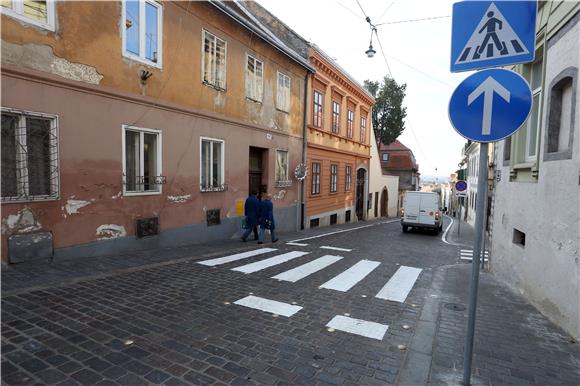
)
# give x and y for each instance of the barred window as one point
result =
(212, 165)
(29, 156)
(142, 160)
(214, 60)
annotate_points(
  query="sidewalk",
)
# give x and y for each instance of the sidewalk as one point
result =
(514, 343)
(19, 277)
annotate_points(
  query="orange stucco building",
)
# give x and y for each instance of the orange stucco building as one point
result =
(338, 138)
(129, 125)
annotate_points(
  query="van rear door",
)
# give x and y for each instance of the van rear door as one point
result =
(412, 206)
(428, 209)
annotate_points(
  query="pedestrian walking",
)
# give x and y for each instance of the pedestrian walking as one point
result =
(267, 218)
(252, 213)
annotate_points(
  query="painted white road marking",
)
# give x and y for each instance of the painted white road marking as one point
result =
(470, 258)
(336, 248)
(399, 286)
(309, 268)
(272, 306)
(333, 233)
(297, 244)
(351, 276)
(237, 256)
(444, 237)
(359, 327)
(263, 264)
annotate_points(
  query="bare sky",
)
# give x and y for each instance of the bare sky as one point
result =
(417, 54)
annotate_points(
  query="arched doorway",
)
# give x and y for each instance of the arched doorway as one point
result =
(360, 193)
(385, 203)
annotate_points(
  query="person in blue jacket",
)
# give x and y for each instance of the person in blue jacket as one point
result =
(252, 213)
(267, 218)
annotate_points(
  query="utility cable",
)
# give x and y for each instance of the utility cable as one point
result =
(386, 10)
(413, 20)
(348, 9)
(383, 52)
(363, 11)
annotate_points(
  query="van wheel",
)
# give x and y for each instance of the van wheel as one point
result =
(405, 229)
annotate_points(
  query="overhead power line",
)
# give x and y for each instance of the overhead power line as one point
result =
(413, 20)
(386, 10)
(358, 16)
(383, 52)
(361, 8)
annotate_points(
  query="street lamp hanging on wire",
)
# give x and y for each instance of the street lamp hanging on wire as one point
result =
(371, 52)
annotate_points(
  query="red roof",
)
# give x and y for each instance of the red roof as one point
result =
(400, 157)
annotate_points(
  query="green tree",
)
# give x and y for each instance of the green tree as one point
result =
(388, 114)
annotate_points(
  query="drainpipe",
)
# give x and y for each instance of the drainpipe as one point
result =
(304, 148)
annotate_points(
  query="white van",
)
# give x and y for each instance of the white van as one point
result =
(421, 210)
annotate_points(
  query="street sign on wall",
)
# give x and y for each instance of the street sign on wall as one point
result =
(492, 33)
(460, 187)
(490, 105)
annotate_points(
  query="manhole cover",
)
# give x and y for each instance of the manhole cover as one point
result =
(455, 307)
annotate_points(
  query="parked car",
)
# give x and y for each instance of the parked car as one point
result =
(421, 210)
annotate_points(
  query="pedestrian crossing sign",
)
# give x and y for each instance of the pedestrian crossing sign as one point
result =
(492, 33)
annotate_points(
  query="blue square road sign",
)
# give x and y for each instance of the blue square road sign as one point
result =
(492, 33)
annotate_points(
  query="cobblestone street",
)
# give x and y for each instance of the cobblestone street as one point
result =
(177, 322)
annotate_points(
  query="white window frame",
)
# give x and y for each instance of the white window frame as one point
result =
(283, 95)
(141, 57)
(287, 165)
(20, 156)
(349, 123)
(347, 178)
(223, 177)
(385, 157)
(250, 93)
(214, 84)
(17, 12)
(159, 160)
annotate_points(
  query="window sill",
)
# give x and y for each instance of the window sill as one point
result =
(213, 189)
(141, 60)
(524, 165)
(20, 200)
(253, 100)
(136, 194)
(284, 184)
(47, 26)
(215, 87)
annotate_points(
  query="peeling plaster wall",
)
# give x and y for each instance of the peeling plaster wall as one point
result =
(41, 57)
(547, 269)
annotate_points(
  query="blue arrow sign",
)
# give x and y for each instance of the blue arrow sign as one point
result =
(492, 33)
(490, 105)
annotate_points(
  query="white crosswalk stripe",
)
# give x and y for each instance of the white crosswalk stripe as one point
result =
(400, 284)
(309, 268)
(467, 254)
(359, 327)
(237, 256)
(268, 305)
(351, 276)
(263, 264)
(336, 248)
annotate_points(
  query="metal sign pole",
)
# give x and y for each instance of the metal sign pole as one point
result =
(477, 244)
(460, 200)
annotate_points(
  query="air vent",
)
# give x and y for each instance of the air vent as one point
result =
(146, 227)
(213, 217)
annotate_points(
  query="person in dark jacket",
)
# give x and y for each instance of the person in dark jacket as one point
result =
(267, 218)
(252, 213)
